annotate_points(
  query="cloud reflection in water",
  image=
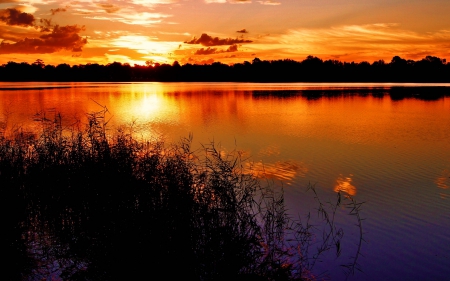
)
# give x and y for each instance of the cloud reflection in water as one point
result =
(285, 171)
(444, 180)
(344, 184)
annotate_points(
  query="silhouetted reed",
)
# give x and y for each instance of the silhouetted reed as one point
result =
(84, 205)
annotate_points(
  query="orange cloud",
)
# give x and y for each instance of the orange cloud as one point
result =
(8, 1)
(12, 16)
(240, 1)
(354, 43)
(196, 61)
(242, 31)
(229, 1)
(232, 48)
(58, 10)
(61, 38)
(269, 2)
(207, 40)
(132, 18)
(109, 8)
(209, 50)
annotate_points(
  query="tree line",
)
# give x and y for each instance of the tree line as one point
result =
(311, 69)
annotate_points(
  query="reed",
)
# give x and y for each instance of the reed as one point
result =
(87, 205)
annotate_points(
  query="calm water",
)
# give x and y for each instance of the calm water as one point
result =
(385, 144)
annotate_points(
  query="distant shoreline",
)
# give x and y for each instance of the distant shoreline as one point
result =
(428, 70)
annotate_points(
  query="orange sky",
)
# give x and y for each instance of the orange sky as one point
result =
(228, 31)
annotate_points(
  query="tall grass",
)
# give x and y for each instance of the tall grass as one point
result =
(87, 205)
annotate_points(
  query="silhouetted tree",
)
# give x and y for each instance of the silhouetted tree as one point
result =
(429, 69)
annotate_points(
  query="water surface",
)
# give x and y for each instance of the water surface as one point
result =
(385, 144)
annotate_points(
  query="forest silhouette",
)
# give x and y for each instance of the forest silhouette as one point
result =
(311, 69)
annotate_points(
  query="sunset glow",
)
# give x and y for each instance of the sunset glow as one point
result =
(226, 31)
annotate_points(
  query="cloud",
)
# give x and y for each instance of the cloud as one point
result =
(207, 51)
(354, 43)
(242, 31)
(269, 2)
(210, 51)
(207, 40)
(58, 10)
(153, 2)
(13, 16)
(109, 8)
(46, 25)
(215, 1)
(144, 18)
(195, 61)
(61, 38)
(232, 48)
(240, 1)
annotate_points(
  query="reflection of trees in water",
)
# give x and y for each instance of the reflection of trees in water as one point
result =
(396, 93)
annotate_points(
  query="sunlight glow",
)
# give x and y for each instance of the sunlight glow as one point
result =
(145, 45)
(274, 29)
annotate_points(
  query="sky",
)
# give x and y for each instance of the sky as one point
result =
(226, 31)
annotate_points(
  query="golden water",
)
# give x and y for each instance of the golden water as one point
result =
(392, 154)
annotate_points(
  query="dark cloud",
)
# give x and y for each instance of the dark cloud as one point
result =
(61, 38)
(242, 31)
(207, 40)
(54, 11)
(12, 16)
(46, 25)
(207, 51)
(232, 48)
(210, 51)
(195, 61)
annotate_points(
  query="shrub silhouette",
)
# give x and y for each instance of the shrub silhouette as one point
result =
(88, 206)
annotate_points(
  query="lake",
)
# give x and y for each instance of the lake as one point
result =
(387, 145)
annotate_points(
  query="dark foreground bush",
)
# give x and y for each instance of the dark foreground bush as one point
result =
(81, 205)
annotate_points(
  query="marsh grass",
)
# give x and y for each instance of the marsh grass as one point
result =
(89, 205)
